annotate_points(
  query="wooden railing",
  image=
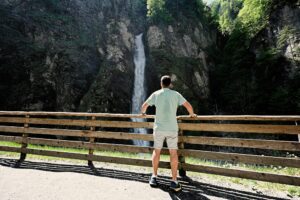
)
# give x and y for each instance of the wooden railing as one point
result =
(32, 127)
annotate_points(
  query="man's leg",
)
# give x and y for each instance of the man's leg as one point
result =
(158, 144)
(172, 141)
(155, 160)
(174, 163)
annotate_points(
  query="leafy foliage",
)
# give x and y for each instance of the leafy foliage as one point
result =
(157, 10)
(254, 16)
(249, 15)
(285, 35)
(225, 13)
(254, 82)
(167, 11)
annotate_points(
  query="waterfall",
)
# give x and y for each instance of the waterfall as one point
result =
(139, 95)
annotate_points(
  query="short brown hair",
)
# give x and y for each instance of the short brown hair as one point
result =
(165, 80)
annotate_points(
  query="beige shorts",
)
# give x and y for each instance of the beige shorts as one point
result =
(171, 138)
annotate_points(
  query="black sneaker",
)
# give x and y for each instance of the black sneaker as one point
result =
(153, 182)
(175, 187)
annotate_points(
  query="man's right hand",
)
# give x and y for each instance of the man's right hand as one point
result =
(190, 109)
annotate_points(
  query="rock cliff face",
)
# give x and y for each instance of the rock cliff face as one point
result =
(183, 56)
(78, 55)
(283, 34)
(279, 45)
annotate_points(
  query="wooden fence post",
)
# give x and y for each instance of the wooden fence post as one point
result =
(91, 140)
(181, 158)
(24, 138)
(298, 134)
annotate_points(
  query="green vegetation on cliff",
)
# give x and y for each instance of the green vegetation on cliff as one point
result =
(167, 11)
(225, 13)
(251, 68)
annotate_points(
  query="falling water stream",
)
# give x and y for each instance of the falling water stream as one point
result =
(139, 95)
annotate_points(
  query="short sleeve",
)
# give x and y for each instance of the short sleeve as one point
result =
(151, 100)
(181, 99)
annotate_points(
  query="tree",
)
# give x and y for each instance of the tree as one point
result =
(157, 10)
(254, 16)
(225, 12)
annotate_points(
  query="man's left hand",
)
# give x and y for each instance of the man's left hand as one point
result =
(193, 115)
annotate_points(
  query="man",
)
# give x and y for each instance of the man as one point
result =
(166, 102)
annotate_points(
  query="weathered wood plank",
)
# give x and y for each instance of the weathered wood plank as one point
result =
(125, 161)
(91, 140)
(183, 117)
(242, 158)
(24, 135)
(82, 144)
(78, 133)
(74, 114)
(181, 157)
(291, 118)
(73, 122)
(234, 142)
(274, 178)
(241, 128)
(245, 143)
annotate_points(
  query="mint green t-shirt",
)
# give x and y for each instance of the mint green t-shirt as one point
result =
(166, 102)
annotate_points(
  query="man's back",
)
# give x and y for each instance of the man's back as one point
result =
(166, 102)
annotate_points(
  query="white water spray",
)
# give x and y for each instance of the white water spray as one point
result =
(139, 86)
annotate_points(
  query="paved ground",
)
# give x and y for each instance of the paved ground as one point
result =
(32, 184)
(35, 180)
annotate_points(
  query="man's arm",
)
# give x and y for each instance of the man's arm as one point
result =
(189, 108)
(144, 108)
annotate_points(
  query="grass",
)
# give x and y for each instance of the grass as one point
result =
(291, 190)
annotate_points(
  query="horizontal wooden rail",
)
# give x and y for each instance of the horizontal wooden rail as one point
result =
(230, 142)
(274, 178)
(245, 143)
(82, 144)
(241, 128)
(291, 118)
(77, 133)
(73, 114)
(243, 158)
(72, 122)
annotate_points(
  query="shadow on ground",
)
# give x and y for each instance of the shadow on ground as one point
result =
(191, 189)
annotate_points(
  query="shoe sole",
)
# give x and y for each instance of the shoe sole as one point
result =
(153, 185)
(176, 189)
